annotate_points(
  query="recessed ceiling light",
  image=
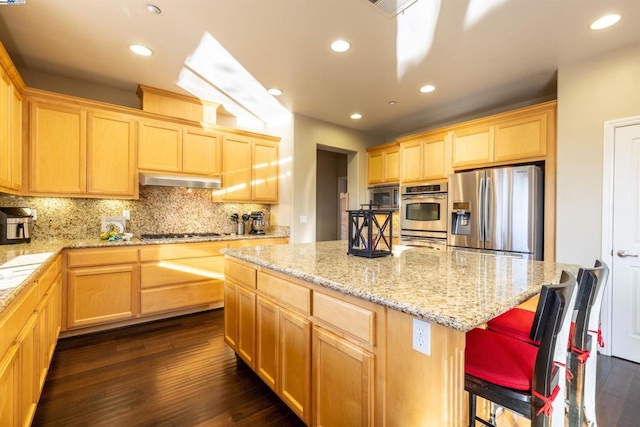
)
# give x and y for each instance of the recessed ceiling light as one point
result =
(392, 102)
(152, 8)
(140, 50)
(427, 88)
(356, 116)
(340, 46)
(604, 22)
(274, 91)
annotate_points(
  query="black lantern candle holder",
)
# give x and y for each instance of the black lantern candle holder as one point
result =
(370, 231)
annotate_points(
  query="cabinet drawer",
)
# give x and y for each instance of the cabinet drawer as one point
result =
(181, 271)
(47, 278)
(181, 296)
(286, 292)
(240, 273)
(181, 250)
(88, 257)
(350, 318)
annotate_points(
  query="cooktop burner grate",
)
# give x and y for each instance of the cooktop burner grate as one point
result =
(177, 235)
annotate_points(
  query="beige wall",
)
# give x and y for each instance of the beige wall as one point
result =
(590, 92)
(308, 135)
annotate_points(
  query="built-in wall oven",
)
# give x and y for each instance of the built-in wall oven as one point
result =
(423, 215)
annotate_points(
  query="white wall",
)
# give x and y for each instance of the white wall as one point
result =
(590, 92)
(308, 134)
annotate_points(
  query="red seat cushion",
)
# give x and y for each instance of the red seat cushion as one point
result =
(515, 323)
(499, 359)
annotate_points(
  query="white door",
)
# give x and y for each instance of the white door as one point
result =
(625, 271)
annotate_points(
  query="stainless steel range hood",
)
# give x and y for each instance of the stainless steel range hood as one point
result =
(180, 181)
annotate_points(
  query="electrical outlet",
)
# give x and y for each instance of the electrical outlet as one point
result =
(303, 219)
(125, 214)
(34, 215)
(422, 336)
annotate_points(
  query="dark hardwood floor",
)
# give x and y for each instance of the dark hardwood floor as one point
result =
(179, 372)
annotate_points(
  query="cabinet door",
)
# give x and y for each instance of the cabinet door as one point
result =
(102, 294)
(472, 147)
(392, 165)
(16, 139)
(295, 363)
(111, 141)
(267, 347)
(236, 168)
(264, 171)
(231, 314)
(5, 127)
(43, 341)
(200, 152)
(9, 381)
(58, 149)
(434, 159)
(343, 382)
(247, 326)
(375, 165)
(411, 161)
(521, 138)
(159, 146)
(28, 371)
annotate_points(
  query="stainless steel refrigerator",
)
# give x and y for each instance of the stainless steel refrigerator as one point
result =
(498, 210)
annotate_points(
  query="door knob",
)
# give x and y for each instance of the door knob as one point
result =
(625, 254)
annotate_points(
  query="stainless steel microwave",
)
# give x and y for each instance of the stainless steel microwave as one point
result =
(386, 197)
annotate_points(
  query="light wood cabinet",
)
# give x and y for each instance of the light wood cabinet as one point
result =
(178, 276)
(424, 159)
(246, 346)
(15, 135)
(111, 163)
(5, 130)
(472, 146)
(30, 327)
(80, 152)
(522, 137)
(172, 147)
(249, 169)
(100, 293)
(240, 300)
(383, 164)
(57, 149)
(343, 378)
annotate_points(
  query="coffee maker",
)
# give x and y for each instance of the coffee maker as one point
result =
(258, 224)
(15, 225)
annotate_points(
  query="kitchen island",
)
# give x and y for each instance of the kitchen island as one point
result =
(343, 326)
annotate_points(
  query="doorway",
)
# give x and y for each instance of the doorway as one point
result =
(621, 237)
(331, 181)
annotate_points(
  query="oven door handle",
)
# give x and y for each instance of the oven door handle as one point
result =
(423, 196)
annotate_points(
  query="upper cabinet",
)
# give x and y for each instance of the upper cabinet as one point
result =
(249, 169)
(519, 135)
(78, 151)
(383, 164)
(424, 158)
(10, 126)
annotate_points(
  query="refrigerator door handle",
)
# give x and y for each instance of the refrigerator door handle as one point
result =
(486, 203)
(480, 209)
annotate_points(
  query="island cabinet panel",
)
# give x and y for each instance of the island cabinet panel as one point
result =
(343, 382)
(440, 376)
(111, 150)
(246, 345)
(57, 149)
(295, 363)
(231, 314)
(268, 340)
(357, 321)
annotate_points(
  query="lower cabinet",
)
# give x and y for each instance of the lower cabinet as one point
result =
(102, 286)
(316, 352)
(343, 379)
(30, 328)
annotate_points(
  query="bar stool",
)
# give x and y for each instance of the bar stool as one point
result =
(515, 374)
(586, 315)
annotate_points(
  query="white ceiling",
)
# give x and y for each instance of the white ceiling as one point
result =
(480, 54)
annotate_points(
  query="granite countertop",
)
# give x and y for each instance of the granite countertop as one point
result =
(460, 290)
(20, 264)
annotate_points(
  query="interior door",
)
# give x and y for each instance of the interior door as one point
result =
(625, 272)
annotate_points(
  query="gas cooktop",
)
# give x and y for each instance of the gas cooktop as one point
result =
(177, 236)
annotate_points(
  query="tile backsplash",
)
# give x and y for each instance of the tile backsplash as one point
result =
(158, 210)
